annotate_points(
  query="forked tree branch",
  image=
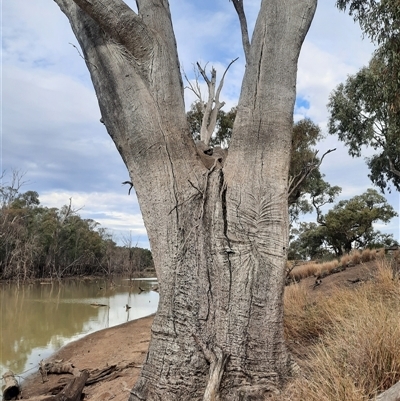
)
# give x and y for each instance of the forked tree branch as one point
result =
(393, 169)
(306, 172)
(238, 4)
(195, 88)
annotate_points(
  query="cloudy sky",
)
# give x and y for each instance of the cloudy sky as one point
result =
(50, 117)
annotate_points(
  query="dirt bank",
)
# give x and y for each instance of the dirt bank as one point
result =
(124, 345)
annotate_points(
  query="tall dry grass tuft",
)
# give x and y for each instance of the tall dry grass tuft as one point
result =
(303, 271)
(367, 255)
(313, 269)
(327, 267)
(302, 320)
(345, 260)
(380, 253)
(354, 352)
(355, 257)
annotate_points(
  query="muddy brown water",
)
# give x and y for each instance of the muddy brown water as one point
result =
(38, 319)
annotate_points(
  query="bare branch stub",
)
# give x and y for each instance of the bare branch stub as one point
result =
(213, 104)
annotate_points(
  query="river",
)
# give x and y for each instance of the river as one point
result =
(38, 319)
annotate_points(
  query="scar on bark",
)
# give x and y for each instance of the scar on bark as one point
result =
(209, 156)
(217, 360)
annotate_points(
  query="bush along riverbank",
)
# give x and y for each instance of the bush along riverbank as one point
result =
(42, 242)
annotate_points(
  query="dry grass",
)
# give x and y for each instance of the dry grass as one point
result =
(367, 255)
(354, 258)
(352, 340)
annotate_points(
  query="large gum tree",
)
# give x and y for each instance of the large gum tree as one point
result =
(217, 225)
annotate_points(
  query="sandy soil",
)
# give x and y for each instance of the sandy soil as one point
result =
(119, 345)
(128, 343)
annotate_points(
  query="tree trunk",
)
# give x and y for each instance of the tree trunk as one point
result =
(218, 235)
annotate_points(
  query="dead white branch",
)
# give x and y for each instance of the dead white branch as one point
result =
(213, 105)
(217, 360)
(194, 87)
(392, 394)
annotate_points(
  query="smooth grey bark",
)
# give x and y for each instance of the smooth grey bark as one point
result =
(218, 234)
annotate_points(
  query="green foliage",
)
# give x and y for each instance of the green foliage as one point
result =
(361, 114)
(366, 109)
(223, 129)
(348, 224)
(37, 241)
(380, 20)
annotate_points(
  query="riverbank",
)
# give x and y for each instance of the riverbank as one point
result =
(124, 345)
(342, 314)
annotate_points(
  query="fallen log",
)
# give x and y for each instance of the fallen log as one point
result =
(73, 387)
(97, 375)
(11, 386)
(71, 392)
(57, 367)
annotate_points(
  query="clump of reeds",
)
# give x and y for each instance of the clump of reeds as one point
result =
(353, 338)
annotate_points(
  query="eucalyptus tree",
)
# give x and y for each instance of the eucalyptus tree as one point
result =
(217, 225)
(365, 110)
(349, 224)
(363, 113)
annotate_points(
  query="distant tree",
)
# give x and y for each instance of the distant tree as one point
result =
(305, 178)
(307, 242)
(37, 241)
(348, 224)
(366, 109)
(27, 199)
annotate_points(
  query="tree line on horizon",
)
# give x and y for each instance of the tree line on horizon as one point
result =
(41, 242)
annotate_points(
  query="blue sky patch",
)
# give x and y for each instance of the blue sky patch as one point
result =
(302, 102)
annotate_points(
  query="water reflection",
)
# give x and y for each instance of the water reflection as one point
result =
(38, 319)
